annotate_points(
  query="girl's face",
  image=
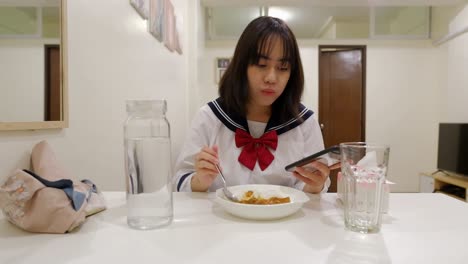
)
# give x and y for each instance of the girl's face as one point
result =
(269, 77)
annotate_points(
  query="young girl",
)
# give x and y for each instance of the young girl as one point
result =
(257, 126)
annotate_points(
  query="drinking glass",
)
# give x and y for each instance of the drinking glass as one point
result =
(364, 167)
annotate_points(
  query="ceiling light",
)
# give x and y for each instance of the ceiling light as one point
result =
(279, 13)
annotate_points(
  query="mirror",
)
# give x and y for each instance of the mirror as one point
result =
(33, 72)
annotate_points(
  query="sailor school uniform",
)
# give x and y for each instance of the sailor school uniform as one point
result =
(249, 152)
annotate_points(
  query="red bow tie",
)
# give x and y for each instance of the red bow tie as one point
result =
(256, 148)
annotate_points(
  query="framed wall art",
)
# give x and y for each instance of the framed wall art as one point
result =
(142, 7)
(162, 24)
(156, 19)
(169, 26)
(221, 67)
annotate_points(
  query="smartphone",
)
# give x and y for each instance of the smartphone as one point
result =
(330, 156)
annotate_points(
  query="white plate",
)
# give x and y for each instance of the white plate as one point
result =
(262, 212)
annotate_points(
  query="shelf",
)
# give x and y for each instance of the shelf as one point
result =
(455, 180)
(442, 179)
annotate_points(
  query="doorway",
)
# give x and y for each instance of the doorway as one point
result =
(342, 75)
(53, 95)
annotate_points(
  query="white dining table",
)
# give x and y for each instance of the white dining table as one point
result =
(419, 228)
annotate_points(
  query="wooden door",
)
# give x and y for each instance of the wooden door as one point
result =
(341, 96)
(53, 95)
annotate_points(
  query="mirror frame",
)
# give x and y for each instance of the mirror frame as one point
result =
(64, 85)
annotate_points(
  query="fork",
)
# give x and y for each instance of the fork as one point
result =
(227, 193)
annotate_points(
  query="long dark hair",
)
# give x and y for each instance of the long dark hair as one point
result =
(256, 38)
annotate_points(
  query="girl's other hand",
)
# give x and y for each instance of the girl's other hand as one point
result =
(314, 178)
(205, 169)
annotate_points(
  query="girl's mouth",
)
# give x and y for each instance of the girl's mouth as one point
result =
(268, 91)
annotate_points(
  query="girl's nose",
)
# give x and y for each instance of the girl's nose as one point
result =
(271, 76)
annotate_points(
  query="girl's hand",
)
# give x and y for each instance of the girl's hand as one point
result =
(314, 178)
(205, 169)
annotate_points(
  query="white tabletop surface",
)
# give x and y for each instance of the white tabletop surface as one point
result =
(419, 228)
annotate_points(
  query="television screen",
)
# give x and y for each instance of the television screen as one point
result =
(452, 154)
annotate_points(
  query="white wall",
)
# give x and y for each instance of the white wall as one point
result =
(197, 44)
(402, 95)
(208, 88)
(456, 80)
(402, 108)
(111, 58)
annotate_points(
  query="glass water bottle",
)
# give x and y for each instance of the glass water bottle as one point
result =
(148, 164)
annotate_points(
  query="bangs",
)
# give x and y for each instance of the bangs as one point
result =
(265, 46)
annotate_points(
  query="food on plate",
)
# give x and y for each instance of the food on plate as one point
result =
(250, 198)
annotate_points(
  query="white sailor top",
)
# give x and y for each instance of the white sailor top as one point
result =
(296, 139)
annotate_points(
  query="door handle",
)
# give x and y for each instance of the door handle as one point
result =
(321, 126)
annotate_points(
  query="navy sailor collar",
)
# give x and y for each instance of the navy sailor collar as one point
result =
(234, 122)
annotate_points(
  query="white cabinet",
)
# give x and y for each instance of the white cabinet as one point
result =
(426, 183)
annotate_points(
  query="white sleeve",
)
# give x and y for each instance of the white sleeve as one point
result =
(313, 142)
(202, 133)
